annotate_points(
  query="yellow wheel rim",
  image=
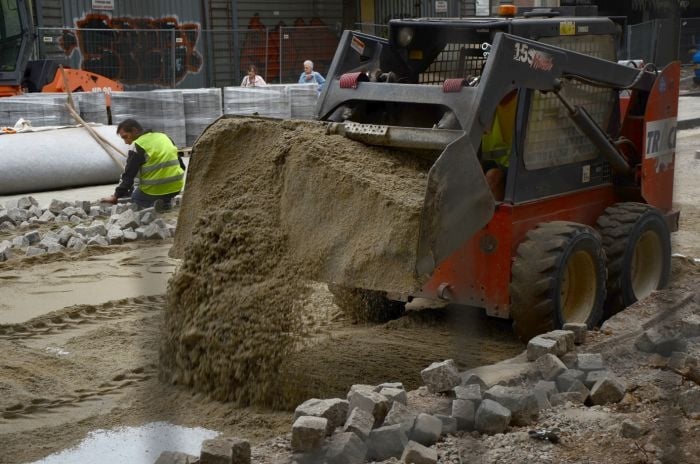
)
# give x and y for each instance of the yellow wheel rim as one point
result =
(577, 294)
(646, 264)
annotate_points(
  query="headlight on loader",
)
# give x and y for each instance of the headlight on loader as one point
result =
(405, 36)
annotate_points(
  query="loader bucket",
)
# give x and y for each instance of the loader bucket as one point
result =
(457, 201)
(457, 204)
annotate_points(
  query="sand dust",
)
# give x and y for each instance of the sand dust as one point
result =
(285, 204)
(233, 313)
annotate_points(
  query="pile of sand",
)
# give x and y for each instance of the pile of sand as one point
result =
(270, 205)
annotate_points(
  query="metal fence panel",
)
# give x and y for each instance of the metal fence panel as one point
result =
(227, 55)
(666, 32)
(288, 13)
(641, 42)
(654, 41)
(689, 39)
(396, 9)
(137, 58)
(143, 59)
(297, 44)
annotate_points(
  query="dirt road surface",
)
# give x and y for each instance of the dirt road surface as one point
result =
(80, 352)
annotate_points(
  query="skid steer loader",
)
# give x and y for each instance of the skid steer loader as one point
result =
(586, 145)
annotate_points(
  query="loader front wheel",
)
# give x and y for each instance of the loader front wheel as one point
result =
(637, 244)
(365, 305)
(558, 277)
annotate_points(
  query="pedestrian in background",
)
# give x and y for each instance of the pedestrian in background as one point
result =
(252, 79)
(309, 76)
(154, 160)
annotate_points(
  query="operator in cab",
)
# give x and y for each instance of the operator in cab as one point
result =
(496, 146)
(154, 160)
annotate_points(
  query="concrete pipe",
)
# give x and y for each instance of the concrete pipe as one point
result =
(56, 159)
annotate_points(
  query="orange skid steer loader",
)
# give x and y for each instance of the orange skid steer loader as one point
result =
(580, 227)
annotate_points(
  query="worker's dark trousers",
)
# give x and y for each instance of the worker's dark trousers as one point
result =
(144, 200)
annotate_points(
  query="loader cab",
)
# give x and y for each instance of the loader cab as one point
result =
(432, 51)
(548, 154)
(552, 156)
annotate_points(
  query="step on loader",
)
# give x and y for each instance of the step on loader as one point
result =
(549, 196)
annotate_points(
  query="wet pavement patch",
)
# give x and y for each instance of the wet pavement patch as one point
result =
(135, 445)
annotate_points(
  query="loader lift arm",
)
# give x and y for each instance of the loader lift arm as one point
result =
(516, 62)
(458, 202)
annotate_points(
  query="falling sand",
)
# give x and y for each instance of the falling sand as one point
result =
(269, 207)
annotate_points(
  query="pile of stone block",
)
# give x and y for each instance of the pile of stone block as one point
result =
(182, 114)
(75, 226)
(302, 100)
(158, 110)
(271, 101)
(202, 107)
(372, 423)
(574, 377)
(92, 106)
(375, 423)
(282, 101)
(667, 346)
(41, 109)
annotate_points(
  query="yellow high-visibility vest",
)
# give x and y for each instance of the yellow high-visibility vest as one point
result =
(161, 173)
(496, 145)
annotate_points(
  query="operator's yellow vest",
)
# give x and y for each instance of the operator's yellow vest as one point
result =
(497, 143)
(161, 173)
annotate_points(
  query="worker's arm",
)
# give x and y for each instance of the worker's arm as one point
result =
(134, 161)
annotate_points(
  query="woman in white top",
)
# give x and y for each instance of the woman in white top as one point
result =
(252, 79)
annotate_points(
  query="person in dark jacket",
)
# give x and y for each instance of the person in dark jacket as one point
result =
(154, 160)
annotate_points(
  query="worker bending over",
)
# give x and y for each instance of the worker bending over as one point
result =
(154, 160)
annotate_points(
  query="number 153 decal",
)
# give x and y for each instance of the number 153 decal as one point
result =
(535, 58)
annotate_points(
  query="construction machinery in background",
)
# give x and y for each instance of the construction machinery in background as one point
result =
(581, 228)
(19, 74)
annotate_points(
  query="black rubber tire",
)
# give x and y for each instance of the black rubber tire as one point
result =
(366, 305)
(637, 243)
(558, 276)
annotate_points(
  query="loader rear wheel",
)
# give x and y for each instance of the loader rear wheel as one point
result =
(558, 276)
(365, 305)
(637, 244)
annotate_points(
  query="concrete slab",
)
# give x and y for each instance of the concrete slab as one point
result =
(503, 373)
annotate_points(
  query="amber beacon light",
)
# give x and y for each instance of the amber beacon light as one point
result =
(507, 9)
